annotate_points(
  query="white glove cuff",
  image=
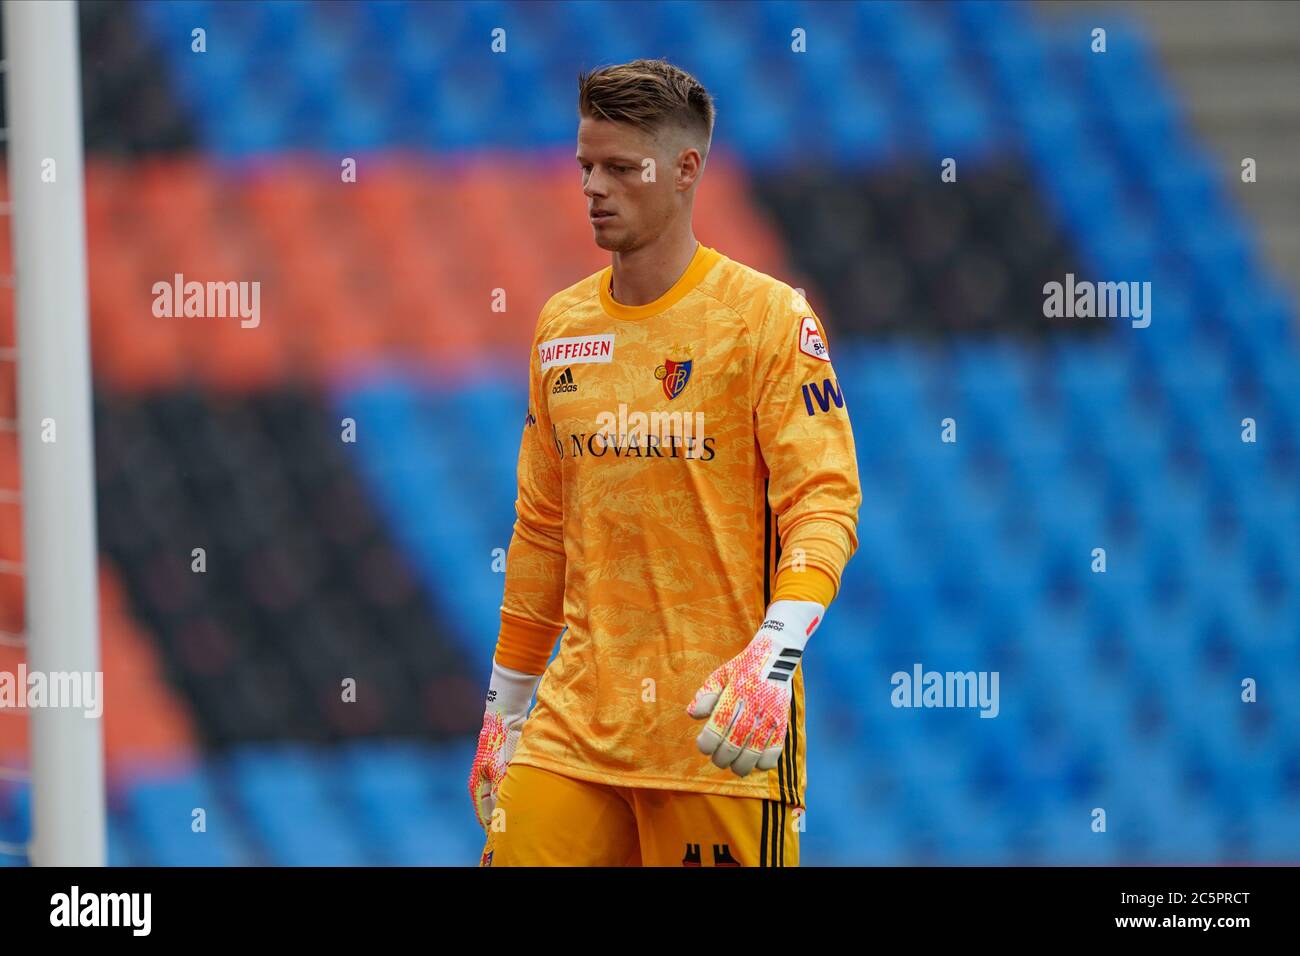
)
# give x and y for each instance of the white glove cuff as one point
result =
(790, 623)
(511, 692)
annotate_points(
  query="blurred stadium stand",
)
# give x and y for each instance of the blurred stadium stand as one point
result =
(374, 559)
(1237, 66)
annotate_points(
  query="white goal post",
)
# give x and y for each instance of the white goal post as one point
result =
(46, 186)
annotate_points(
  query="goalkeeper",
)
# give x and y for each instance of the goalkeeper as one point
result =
(688, 498)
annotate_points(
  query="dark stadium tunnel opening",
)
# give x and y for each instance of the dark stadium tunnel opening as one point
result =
(299, 586)
(896, 250)
(129, 101)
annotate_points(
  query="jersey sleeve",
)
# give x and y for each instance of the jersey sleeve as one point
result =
(535, 562)
(804, 434)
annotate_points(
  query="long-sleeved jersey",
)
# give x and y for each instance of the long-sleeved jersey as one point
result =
(674, 457)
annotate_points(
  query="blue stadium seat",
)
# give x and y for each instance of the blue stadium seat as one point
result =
(159, 818)
(287, 795)
(974, 555)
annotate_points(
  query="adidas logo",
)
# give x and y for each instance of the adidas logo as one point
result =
(564, 383)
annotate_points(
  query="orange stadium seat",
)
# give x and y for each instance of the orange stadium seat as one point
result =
(14, 740)
(130, 347)
(8, 388)
(11, 530)
(351, 271)
(143, 718)
(9, 476)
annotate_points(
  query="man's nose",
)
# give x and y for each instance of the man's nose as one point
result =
(595, 185)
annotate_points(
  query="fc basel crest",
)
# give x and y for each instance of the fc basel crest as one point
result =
(675, 373)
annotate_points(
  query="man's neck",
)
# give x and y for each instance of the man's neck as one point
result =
(643, 275)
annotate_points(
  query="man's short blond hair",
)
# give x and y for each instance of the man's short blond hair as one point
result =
(652, 95)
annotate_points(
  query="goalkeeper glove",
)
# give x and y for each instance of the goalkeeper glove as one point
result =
(510, 693)
(747, 699)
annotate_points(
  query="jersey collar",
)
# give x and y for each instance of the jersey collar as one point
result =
(703, 260)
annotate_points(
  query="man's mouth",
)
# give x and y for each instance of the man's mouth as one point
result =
(598, 215)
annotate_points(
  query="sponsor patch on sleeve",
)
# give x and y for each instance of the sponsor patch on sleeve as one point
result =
(810, 340)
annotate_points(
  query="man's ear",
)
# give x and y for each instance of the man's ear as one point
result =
(690, 164)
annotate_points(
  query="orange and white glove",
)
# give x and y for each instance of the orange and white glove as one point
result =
(747, 699)
(509, 697)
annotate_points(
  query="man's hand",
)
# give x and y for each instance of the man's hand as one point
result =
(747, 699)
(510, 694)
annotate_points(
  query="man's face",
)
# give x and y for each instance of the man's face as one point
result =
(627, 208)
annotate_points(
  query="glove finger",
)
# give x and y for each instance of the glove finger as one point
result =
(771, 757)
(744, 764)
(497, 744)
(477, 779)
(702, 705)
(725, 712)
(481, 791)
(725, 755)
(724, 715)
(734, 743)
(743, 729)
(474, 799)
(764, 734)
(708, 740)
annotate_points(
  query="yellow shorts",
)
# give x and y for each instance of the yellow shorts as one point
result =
(547, 819)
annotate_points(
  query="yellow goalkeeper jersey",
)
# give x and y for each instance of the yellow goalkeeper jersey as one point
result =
(674, 457)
